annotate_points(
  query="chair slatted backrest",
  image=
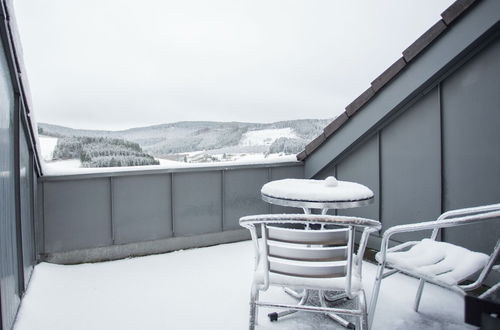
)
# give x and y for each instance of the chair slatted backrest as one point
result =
(309, 253)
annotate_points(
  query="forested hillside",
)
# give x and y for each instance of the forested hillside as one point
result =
(181, 137)
(102, 152)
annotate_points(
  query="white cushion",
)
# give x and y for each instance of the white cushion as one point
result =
(446, 262)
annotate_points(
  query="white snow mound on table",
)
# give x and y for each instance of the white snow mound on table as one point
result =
(316, 190)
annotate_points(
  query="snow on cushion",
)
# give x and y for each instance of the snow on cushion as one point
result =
(446, 262)
(329, 190)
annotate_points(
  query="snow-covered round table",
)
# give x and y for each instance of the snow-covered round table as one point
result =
(316, 194)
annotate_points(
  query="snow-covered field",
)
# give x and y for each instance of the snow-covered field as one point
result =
(266, 136)
(47, 146)
(205, 288)
(73, 166)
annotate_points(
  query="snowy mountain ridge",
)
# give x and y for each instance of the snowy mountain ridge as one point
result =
(213, 137)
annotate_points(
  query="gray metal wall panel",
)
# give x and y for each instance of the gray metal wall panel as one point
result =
(141, 208)
(411, 167)
(279, 173)
(197, 203)
(8, 254)
(26, 172)
(77, 214)
(423, 69)
(362, 166)
(471, 134)
(294, 172)
(242, 195)
(39, 217)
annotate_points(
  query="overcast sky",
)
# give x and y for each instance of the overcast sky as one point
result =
(114, 64)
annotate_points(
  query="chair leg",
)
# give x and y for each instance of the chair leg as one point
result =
(336, 298)
(276, 315)
(293, 293)
(375, 292)
(254, 297)
(363, 319)
(343, 322)
(419, 294)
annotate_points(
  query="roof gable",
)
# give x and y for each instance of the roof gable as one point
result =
(448, 18)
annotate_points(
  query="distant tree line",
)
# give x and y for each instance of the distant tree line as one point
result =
(102, 152)
(167, 139)
(45, 132)
(287, 146)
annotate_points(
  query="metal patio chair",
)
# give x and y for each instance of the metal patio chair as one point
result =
(309, 259)
(440, 263)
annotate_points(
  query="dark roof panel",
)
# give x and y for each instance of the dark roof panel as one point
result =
(302, 155)
(335, 124)
(315, 143)
(424, 40)
(456, 9)
(388, 74)
(355, 105)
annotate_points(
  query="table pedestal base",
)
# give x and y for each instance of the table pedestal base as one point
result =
(323, 298)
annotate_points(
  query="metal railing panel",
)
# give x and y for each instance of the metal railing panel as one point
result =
(141, 208)
(77, 215)
(242, 195)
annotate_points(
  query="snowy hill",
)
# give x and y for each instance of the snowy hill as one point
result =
(166, 140)
(266, 136)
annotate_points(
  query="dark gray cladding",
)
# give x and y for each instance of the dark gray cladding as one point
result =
(17, 254)
(9, 276)
(17, 173)
(118, 215)
(429, 141)
(422, 44)
(471, 136)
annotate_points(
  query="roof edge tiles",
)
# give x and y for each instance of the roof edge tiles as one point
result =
(315, 143)
(449, 15)
(456, 9)
(301, 155)
(388, 74)
(424, 40)
(335, 124)
(327, 131)
(361, 100)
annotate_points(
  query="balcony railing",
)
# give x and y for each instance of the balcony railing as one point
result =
(102, 216)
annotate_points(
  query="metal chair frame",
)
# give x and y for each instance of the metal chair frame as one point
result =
(448, 219)
(352, 260)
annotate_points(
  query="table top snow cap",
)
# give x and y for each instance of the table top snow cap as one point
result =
(331, 181)
(328, 190)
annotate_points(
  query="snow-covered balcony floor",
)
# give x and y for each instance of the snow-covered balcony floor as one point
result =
(205, 288)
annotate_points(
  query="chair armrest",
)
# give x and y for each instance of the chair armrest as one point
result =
(437, 224)
(464, 211)
(469, 210)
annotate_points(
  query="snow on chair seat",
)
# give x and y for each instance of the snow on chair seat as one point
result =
(440, 263)
(445, 262)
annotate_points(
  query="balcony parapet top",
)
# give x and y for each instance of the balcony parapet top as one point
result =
(88, 173)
